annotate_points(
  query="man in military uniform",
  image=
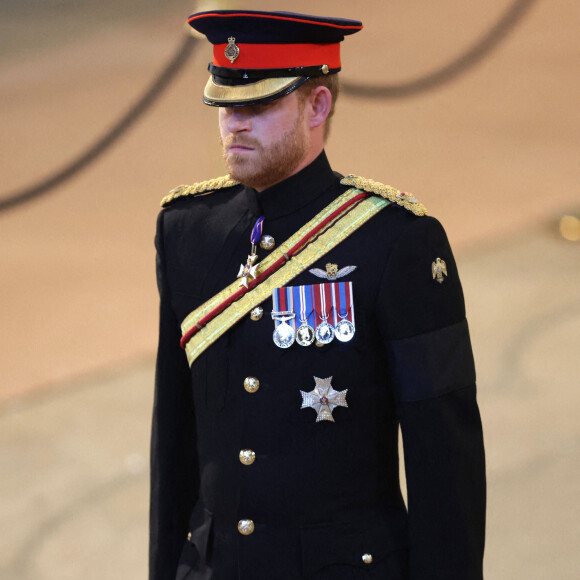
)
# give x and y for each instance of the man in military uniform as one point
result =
(279, 393)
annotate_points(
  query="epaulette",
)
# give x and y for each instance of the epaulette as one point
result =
(201, 188)
(406, 200)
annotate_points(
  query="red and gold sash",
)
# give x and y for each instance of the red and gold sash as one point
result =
(325, 231)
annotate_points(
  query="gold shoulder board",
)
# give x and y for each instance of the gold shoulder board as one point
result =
(406, 200)
(203, 187)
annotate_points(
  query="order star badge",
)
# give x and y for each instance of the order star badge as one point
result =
(324, 399)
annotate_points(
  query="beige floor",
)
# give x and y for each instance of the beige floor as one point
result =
(494, 155)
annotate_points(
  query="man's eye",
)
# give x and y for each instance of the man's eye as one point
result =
(261, 107)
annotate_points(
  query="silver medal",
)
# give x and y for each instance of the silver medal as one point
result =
(324, 333)
(305, 334)
(284, 335)
(344, 330)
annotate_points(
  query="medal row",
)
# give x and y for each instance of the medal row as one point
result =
(320, 312)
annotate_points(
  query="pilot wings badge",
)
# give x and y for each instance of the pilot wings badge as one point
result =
(438, 269)
(332, 271)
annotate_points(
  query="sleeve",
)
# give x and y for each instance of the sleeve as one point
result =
(174, 464)
(432, 374)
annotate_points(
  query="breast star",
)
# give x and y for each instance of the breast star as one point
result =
(324, 399)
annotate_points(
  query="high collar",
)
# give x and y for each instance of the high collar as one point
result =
(297, 191)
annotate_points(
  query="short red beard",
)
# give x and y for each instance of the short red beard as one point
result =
(271, 164)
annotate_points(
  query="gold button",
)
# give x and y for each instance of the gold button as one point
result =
(267, 242)
(189, 536)
(256, 313)
(245, 527)
(251, 384)
(247, 456)
(319, 344)
(367, 558)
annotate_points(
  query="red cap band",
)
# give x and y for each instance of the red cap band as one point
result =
(264, 56)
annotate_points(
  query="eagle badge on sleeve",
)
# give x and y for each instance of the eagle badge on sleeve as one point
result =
(439, 269)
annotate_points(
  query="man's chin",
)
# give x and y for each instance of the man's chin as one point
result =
(238, 164)
(242, 171)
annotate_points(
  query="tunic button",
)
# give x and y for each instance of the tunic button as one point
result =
(189, 536)
(267, 242)
(245, 527)
(256, 313)
(251, 384)
(247, 456)
(367, 558)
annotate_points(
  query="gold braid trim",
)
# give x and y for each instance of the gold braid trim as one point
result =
(202, 187)
(406, 200)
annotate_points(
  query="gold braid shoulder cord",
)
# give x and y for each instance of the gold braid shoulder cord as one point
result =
(197, 189)
(406, 200)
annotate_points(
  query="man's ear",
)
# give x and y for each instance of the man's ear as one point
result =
(320, 101)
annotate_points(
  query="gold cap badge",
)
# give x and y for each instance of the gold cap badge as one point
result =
(232, 51)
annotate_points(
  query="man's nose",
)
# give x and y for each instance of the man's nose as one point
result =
(239, 119)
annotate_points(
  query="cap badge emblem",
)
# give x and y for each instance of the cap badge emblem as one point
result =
(232, 51)
(438, 269)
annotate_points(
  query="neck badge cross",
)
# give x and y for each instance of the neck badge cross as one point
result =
(248, 270)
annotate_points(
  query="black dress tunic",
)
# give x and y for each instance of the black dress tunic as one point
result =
(324, 497)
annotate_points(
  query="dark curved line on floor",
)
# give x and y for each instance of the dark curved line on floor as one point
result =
(103, 143)
(21, 562)
(451, 71)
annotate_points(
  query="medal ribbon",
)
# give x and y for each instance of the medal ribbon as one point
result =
(283, 307)
(306, 293)
(322, 297)
(275, 304)
(290, 306)
(327, 296)
(256, 234)
(349, 303)
(283, 301)
(343, 292)
(335, 304)
(302, 298)
(317, 305)
(302, 295)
